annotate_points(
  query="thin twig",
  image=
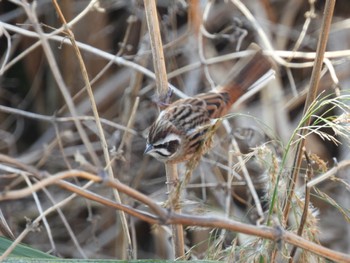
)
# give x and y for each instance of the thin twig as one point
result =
(309, 175)
(97, 119)
(123, 62)
(162, 215)
(103, 54)
(248, 181)
(76, 19)
(5, 228)
(309, 16)
(66, 224)
(51, 209)
(8, 50)
(55, 119)
(40, 210)
(126, 136)
(341, 165)
(29, 9)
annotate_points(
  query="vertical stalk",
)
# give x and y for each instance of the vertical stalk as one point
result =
(70, 34)
(162, 89)
(314, 82)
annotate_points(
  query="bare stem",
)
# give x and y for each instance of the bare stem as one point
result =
(97, 118)
(309, 175)
(159, 214)
(314, 83)
(162, 89)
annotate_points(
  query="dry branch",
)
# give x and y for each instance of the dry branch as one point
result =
(164, 216)
(314, 85)
(53, 147)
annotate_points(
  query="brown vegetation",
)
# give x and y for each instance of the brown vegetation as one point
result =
(78, 90)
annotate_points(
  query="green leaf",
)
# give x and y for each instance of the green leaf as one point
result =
(21, 250)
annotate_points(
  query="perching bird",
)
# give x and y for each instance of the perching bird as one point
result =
(182, 127)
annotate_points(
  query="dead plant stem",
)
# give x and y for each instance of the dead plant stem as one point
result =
(309, 175)
(160, 215)
(30, 11)
(314, 83)
(51, 209)
(249, 181)
(103, 141)
(162, 89)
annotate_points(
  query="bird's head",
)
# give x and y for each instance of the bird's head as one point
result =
(163, 142)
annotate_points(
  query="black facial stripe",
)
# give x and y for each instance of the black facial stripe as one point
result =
(162, 154)
(170, 146)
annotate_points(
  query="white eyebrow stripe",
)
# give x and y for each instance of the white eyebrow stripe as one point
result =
(170, 137)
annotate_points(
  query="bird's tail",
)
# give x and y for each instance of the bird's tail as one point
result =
(245, 73)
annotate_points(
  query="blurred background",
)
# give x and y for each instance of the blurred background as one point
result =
(200, 41)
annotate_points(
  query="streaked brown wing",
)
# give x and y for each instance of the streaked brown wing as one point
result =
(188, 114)
(216, 103)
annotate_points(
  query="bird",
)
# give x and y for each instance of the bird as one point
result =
(182, 128)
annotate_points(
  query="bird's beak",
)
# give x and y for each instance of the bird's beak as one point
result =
(149, 147)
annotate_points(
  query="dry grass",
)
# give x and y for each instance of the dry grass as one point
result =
(78, 93)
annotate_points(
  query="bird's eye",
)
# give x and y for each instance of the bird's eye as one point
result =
(171, 146)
